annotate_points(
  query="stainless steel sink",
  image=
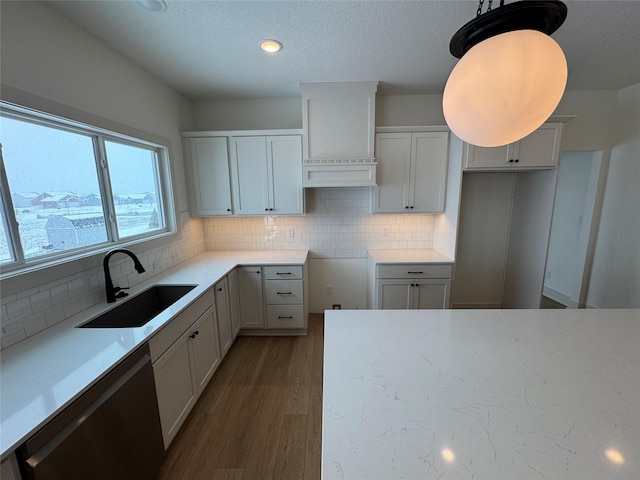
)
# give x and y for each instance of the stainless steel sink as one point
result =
(139, 309)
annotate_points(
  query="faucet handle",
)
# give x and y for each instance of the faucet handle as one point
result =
(121, 294)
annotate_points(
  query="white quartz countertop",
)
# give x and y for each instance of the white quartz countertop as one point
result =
(481, 394)
(408, 256)
(43, 374)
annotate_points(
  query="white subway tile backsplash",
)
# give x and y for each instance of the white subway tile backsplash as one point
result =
(20, 308)
(35, 323)
(337, 225)
(54, 315)
(40, 301)
(31, 310)
(59, 293)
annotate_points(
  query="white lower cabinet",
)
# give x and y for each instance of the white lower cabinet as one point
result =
(234, 302)
(411, 286)
(396, 294)
(250, 297)
(182, 367)
(284, 295)
(223, 314)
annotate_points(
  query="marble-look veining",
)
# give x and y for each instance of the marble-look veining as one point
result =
(43, 374)
(481, 394)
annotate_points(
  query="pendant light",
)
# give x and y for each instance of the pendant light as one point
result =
(511, 74)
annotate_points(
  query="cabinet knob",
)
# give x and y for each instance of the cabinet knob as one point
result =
(266, 209)
(220, 289)
(511, 160)
(228, 209)
(517, 160)
(407, 206)
(193, 335)
(411, 206)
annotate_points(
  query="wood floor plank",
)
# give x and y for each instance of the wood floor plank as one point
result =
(260, 418)
(290, 461)
(313, 453)
(228, 474)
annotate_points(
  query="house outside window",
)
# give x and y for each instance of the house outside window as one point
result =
(69, 189)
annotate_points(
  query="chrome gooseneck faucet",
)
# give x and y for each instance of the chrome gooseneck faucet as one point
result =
(111, 290)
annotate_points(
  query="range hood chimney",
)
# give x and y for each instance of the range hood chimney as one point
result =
(338, 134)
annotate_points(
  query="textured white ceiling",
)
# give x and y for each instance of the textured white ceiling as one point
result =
(209, 49)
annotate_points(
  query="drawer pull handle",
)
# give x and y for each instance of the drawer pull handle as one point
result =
(284, 293)
(282, 316)
(415, 272)
(284, 273)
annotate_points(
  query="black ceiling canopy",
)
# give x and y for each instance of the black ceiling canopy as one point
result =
(545, 16)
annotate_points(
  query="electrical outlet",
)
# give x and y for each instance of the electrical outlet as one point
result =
(385, 232)
(337, 306)
(290, 232)
(329, 289)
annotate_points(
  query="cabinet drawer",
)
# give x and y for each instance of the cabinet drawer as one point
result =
(285, 316)
(414, 270)
(283, 292)
(162, 340)
(284, 272)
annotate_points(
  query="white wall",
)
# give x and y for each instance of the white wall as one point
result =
(615, 277)
(248, 114)
(50, 64)
(572, 213)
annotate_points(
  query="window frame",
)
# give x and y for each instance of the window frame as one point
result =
(99, 136)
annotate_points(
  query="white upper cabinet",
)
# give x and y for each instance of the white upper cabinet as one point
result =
(210, 174)
(266, 175)
(540, 149)
(412, 172)
(284, 160)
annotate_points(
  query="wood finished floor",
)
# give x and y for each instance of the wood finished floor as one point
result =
(260, 417)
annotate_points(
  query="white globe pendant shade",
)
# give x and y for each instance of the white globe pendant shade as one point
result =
(504, 88)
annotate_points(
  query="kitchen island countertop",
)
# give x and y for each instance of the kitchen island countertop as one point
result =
(43, 374)
(481, 394)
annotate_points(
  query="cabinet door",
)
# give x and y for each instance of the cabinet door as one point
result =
(429, 157)
(284, 156)
(393, 155)
(394, 294)
(249, 175)
(431, 294)
(250, 293)
(488, 157)
(225, 334)
(541, 148)
(204, 346)
(176, 388)
(234, 303)
(210, 170)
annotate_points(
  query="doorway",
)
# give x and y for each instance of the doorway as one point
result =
(573, 229)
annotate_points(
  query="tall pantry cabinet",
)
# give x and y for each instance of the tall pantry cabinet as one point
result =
(505, 222)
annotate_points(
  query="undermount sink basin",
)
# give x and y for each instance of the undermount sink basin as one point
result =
(139, 309)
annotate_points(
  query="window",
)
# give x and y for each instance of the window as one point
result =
(69, 188)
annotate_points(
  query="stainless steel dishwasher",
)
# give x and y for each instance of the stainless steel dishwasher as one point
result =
(111, 432)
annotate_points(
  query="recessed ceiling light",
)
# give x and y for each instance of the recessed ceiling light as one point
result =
(271, 46)
(152, 5)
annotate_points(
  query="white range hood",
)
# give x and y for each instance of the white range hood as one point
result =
(338, 124)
